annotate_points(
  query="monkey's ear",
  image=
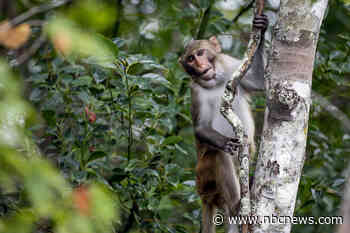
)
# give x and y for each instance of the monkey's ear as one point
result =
(215, 43)
(180, 60)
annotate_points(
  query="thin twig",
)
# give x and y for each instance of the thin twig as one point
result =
(332, 110)
(31, 51)
(36, 10)
(35, 22)
(242, 11)
(235, 122)
(204, 21)
(260, 7)
(119, 16)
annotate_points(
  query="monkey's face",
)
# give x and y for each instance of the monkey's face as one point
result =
(200, 64)
(200, 61)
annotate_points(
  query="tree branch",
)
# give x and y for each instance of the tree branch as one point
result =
(238, 128)
(242, 11)
(31, 51)
(36, 10)
(118, 20)
(204, 21)
(332, 110)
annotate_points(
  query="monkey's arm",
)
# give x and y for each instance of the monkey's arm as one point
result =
(210, 136)
(254, 79)
(203, 130)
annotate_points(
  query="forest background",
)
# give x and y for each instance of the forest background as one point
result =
(95, 127)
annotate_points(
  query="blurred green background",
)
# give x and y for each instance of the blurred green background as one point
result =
(95, 128)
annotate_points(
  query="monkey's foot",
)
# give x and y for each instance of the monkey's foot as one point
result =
(233, 146)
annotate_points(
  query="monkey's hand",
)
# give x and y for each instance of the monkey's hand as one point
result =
(232, 146)
(261, 22)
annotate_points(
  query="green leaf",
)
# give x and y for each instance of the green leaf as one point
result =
(165, 203)
(171, 140)
(337, 55)
(38, 78)
(346, 1)
(96, 155)
(181, 149)
(82, 81)
(35, 95)
(109, 44)
(84, 96)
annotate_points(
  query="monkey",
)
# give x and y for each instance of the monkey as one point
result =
(216, 176)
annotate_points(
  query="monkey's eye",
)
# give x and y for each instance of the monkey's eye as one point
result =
(200, 52)
(190, 58)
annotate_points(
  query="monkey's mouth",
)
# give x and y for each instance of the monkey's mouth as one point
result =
(207, 74)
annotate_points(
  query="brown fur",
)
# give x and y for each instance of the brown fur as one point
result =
(216, 184)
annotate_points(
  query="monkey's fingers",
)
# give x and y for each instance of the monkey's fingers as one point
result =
(260, 24)
(263, 21)
(260, 16)
(260, 21)
(232, 146)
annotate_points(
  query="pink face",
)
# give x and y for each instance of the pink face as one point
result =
(201, 64)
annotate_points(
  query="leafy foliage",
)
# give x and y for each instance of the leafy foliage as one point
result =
(33, 194)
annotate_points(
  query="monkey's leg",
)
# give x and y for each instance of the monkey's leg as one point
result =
(208, 211)
(227, 181)
(229, 188)
(230, 226)
(230, 212)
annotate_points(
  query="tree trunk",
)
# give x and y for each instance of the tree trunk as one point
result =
(288, 88)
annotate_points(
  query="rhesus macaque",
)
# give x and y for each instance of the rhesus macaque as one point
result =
(217, 180)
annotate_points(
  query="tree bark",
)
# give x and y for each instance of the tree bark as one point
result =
(288, 89)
